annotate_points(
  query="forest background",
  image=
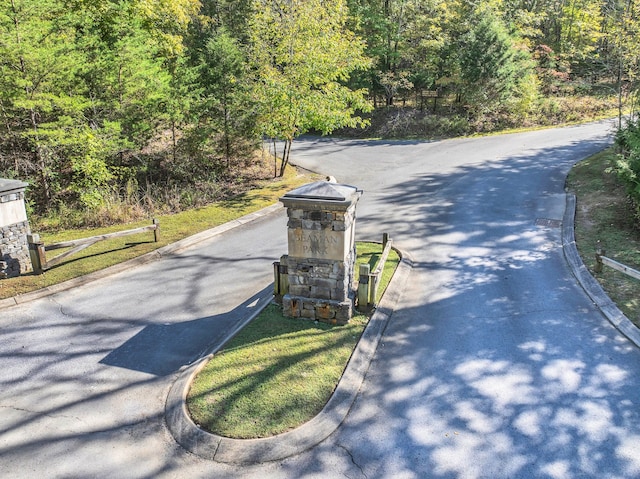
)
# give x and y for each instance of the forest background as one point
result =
(114, 110)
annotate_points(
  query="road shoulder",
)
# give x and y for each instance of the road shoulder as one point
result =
(588, 282)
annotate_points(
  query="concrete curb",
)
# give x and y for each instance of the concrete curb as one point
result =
(588, 282)
(253, 451)
(143, 259)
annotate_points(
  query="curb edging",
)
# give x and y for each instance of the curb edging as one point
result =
(586, 280)
(252, 451)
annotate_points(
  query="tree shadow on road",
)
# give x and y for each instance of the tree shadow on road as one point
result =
(162, 349)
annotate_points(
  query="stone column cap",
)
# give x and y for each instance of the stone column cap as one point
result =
(322, 192)
(9, 186)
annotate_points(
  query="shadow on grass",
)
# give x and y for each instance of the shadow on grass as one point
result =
(276, 374)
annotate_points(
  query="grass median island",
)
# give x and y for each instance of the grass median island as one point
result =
(603, 213)
(277, 373)
(172, 228)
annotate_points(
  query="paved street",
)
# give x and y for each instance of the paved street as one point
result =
(495, 363)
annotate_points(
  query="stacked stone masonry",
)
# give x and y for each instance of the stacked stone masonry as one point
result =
(316, 278)
(320, 288)
(321, 254)
(14, 250)
(331, 312)
(14, 229)
(317, 290)
(318, 220)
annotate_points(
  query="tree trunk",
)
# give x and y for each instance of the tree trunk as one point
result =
(275, 159)
(619, 80)
(174, 143)
(285, 156)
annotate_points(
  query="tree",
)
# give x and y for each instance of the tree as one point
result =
(41, 101)
(432, 33)
(383, 24)
(491, 64)
(302, 52)
(225, 118)
(231, 15)
(80, 82)
(619, 50)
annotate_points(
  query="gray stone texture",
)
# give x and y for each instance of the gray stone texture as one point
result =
(14, 228)
(14, 250)
(321, 256)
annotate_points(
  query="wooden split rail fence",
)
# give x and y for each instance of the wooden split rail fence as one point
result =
(369, 282)
(601, 259)
(37, 249)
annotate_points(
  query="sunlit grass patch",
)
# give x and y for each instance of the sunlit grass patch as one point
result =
(277, 373)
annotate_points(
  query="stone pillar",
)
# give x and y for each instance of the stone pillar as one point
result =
(321, 258)
(14, 228)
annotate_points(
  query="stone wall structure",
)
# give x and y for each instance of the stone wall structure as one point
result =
(14, 229)
(321, 260)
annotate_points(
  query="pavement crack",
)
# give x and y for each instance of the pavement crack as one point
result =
(352, 460)
(2, 406)
(60, 307)
(41, 413)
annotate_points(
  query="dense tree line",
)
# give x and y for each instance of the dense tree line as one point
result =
(106, 101)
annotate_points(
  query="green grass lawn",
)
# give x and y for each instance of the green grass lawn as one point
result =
(603, 213)
(277, 373)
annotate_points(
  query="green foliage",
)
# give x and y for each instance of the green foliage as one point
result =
(100, 95)
(224, 109)
(627, 162)
(38, 93)
(78, 85)
(493, 69)
(302, 53)
(405, 39)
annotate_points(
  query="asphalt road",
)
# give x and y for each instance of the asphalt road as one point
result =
(495, 363)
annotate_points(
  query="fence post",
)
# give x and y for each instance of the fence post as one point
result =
(156, 232)
(276, 278)
(600, 252)
(280, 278)
(37, 253)
(385, 239)
(373, 288)
(363, 287)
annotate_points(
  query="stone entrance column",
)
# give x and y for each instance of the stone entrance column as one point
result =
(14, 228)
(321, 259)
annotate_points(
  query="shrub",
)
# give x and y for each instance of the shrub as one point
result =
(627, 162)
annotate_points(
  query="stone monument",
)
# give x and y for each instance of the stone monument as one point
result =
(321, 259)
(14, 228)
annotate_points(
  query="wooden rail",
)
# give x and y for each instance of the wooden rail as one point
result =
(620, 267)
(601, 260)
(369, 282)
(37, 249)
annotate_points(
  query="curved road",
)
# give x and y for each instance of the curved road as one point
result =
(495, 363)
